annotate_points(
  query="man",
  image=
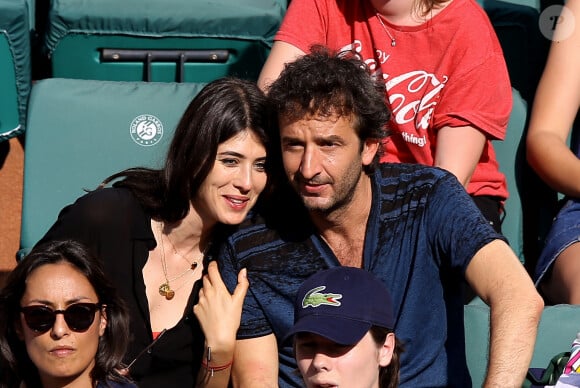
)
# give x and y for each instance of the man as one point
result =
(423, 52)
(413, 226)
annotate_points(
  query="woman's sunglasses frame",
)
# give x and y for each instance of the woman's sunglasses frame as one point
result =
(74, 322)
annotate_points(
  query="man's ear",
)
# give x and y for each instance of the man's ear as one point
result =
(370, 149)
(386, 351)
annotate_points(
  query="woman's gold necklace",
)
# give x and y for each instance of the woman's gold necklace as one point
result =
(165, 288)
(192, 265)
(393, 41)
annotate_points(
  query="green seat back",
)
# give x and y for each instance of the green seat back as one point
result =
(558, 327)
(476, 317)
(82, 131)
(78, 31)
(510, 156)
(536, 4)
(15, 67)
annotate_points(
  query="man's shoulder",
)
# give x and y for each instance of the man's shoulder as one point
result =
(253, 225)
(405, 188)
(281, 216)
(410, 173)
(270, 227)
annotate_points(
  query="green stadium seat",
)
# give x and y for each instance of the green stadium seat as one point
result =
(15, 66)
(525, 50)
(169, 40)
(510, 156)
(476, 316)
(81, 131)
(558, 327)
(527, 217)
(536, 4)
(524, 47)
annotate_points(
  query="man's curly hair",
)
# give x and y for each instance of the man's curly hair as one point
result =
(323, 83)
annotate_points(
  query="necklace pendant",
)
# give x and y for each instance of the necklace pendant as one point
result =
(169, 295)
(194, 265)
(393, 43)
(164, 289)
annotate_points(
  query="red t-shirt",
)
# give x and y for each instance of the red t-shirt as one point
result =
(449, 71)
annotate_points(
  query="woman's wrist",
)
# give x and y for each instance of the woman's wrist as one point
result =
(216, 360)
(220, 347)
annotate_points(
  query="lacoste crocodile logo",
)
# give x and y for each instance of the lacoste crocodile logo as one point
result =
(315, 298)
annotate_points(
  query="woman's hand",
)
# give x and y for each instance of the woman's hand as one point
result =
(219, 313)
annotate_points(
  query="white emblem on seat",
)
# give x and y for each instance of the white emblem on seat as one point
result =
(146, 130)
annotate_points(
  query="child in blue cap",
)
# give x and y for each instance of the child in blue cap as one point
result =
(343, 331)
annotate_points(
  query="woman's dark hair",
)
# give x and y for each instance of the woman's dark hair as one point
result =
(15, 365)
(388, 375)
(324, 83)
(221, 110)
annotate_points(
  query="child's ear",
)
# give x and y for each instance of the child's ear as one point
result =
(386, 351)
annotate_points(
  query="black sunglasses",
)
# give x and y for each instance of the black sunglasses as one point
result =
(79, 316)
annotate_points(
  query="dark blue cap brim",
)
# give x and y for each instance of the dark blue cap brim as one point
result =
(341, 330)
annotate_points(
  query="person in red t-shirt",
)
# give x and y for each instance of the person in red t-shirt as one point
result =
(445, 79)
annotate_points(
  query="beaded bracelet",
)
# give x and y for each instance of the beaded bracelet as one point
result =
(212, 369)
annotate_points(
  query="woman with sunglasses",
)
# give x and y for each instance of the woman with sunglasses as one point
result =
(154, 231)
(62, 322)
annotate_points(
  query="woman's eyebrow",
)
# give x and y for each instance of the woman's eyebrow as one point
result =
(238, 155)
(66, 303)
(231, 153)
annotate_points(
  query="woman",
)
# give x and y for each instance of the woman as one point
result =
(154, 231)
(556, 105)
(343, 331)
(62, 322)
(449, 97)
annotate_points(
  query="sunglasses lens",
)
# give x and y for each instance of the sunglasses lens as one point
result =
(80, 316)
(39, 318)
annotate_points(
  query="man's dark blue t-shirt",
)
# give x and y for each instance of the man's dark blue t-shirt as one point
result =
(422, 232)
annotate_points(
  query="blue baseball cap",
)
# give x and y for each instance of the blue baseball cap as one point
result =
(341, 304)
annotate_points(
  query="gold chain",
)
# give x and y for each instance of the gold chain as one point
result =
(165, 288)
(393, 41)
(192, 265)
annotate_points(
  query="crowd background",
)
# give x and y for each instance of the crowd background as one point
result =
(517, 24)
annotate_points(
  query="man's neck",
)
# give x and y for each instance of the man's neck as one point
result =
(344, 229)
